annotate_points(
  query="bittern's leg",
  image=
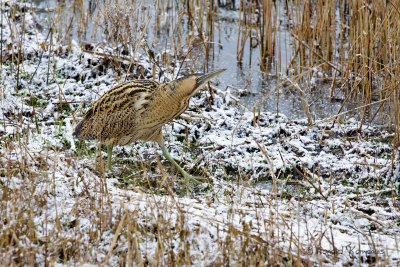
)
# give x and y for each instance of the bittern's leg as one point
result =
(188, 178)
(109, 152)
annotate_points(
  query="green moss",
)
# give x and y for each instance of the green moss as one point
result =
(66, 143)
(386, 140)
(36, 101)
(180, 138)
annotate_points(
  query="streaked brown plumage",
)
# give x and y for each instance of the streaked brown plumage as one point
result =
(137, 110)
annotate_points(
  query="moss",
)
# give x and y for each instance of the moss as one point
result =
(180, 138)
(37, 101)
(65, 143)
(231, 170)
(386, 140)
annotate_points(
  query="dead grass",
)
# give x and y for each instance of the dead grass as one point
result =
(36, 227)
(108, 223)
(356, 43)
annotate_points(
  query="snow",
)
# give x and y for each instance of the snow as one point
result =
(323, 216)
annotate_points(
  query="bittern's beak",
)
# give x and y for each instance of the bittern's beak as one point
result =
(202, 79)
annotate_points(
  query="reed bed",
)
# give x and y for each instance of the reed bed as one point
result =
(357, 44)
(354, 44)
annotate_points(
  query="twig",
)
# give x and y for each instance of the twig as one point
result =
(311, 175)
(271, 166)
(205, 154)
(303, 100)
(69, 102)
(199, 116)
(334, 116)
(187, 118)
(41, 56)
(108, 55)
(371, 193)
(375, 220)
(136, 48)
(315, 53)
(119, 228)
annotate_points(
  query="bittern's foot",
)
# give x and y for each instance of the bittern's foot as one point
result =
(188, 178)
(191, 179)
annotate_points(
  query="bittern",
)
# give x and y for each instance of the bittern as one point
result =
(137, 110)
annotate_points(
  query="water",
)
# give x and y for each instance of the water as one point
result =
(257, 88)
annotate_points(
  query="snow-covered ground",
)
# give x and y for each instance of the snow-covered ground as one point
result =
(277, 188)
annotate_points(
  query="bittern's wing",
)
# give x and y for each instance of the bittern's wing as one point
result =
(114, 114)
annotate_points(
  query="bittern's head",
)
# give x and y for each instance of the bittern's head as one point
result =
(191, 84)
